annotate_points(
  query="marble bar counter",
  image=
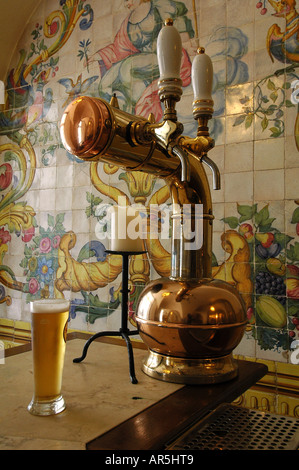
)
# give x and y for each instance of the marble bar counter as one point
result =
(104, 409)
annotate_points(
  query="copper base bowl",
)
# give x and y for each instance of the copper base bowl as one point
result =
(191, 329)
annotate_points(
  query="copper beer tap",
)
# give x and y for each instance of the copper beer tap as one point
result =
(190, 322)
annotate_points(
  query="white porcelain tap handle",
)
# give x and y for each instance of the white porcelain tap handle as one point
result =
(169, 51)
(202, 82)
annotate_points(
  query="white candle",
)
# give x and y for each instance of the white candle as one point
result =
(127, 233)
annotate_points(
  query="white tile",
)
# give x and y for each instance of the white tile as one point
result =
(268, 185)
(48, 177)
(212, 17)
(47, 200)
(291, 183)
(63, 199)
(79, 200)
(240, 13)
(239, 157)
(291, 152)
(269, 154)
(247, 345)
(238, 186)
(65, 176)
(80, 223)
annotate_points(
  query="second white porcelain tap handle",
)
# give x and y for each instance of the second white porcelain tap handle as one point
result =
(202, 82)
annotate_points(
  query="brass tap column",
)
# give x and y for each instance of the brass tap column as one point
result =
(191, 204)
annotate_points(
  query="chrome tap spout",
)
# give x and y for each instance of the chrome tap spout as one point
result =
(185, 164)
(215, 171)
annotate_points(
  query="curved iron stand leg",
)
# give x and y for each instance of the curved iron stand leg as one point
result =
(125, 336)
(123, 331)
(90, 340)
(131, 357)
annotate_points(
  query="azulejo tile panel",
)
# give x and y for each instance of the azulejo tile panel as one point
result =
(53, 207)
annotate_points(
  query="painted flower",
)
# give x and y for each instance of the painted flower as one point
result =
(53, 27)
(28, 234)
(45, 245)
(45, 269)
(56, 241)
(4, 236)
(33, 285)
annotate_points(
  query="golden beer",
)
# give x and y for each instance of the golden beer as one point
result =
(49, 319)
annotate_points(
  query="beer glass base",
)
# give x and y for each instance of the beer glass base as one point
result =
(46, 408)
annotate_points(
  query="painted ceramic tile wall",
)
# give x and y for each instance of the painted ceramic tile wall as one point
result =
(53, 207)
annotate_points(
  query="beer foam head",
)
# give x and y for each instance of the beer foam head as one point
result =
(49, 306)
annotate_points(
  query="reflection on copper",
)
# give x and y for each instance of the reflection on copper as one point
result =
(188, 325)
(84, 127)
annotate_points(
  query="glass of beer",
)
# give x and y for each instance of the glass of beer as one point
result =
(49, 319)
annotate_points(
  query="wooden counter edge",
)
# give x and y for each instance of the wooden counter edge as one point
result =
(161, 423)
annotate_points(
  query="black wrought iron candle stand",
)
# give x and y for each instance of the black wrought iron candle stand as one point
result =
(124, 331)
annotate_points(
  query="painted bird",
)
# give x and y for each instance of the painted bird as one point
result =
(284, 45)
(75, 89)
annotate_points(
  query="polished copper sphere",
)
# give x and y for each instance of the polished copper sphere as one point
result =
(192, 319)
(85, 127)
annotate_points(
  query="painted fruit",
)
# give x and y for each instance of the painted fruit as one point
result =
(271, 311)
(275, 266)
(266, 239)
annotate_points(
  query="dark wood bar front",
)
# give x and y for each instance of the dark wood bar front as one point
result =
(161, 423)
